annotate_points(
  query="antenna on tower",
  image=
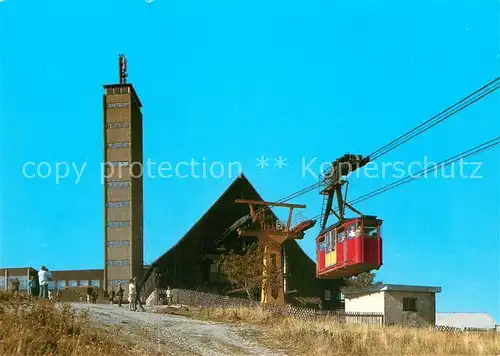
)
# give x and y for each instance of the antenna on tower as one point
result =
(122, 67)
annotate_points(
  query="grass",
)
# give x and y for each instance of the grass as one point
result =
(323, 337)
(42, 329)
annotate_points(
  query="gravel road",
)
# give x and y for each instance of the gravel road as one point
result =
(177, 335)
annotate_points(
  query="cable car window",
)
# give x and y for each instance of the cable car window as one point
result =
(370, 232)
(358, 230)
(322, 245)
(340, 234)
(352, 231)
(329, 241)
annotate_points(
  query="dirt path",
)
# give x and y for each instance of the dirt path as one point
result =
(177, 335)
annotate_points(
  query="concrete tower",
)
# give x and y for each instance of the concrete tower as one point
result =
(123, 182)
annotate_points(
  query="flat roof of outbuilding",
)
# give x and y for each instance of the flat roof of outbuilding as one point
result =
(466, 320)
(391, 287)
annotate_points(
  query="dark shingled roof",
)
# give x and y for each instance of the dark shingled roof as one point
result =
(222, 215)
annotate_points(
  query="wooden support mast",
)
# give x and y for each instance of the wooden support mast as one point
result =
(271, 234)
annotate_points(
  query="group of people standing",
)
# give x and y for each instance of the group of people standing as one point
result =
(134, 295)
(118, 294)
(44, 277)
(37, 287)
(92, 295)
(40, 288)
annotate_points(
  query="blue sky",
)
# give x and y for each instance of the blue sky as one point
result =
(232, 81)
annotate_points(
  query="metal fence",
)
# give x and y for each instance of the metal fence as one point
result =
(209, 300)
(463, 330)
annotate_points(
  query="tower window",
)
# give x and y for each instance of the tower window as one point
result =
(118, 184)
(117, 105)
(118, 204)
(118, 223)
(118, 145)
(118, 125)
(116, 282)
(119, 163)
(118, 263)
(118, 243)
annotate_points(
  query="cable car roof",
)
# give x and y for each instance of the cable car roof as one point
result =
(338, 223)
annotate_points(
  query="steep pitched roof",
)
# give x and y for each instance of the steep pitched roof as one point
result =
(391, 287)
(218, 219)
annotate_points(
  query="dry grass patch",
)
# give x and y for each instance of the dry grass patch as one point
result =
(41, 329)
(324, 337)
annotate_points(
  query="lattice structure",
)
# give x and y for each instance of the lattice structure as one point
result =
(331, 183)
(271, 234)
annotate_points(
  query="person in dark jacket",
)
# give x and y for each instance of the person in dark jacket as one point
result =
(111, 296)
(15, 286)
(95, 295)
(90, 290)
(120, 295)
(138, 295)
(32, 288)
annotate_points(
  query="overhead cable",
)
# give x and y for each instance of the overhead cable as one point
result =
(471, 152)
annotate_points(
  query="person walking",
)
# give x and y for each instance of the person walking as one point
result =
(131, 295)
(32, 292)
(138, 287)
(15, 286)
(90, 289)
(120, 295)
(44, 277)
(95, 295)
(111, 296)
(169, 296)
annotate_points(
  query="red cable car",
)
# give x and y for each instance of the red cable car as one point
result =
(352, 245)
(349, 248)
